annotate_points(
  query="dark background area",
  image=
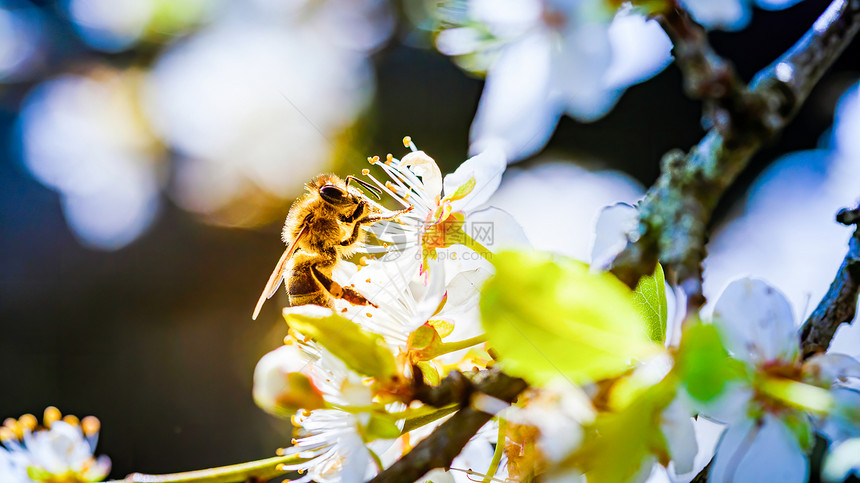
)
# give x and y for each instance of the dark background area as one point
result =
(156, 338)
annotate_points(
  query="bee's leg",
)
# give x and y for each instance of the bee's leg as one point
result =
(359, 210)
(356, 232)
(374, 218)
(338, 291)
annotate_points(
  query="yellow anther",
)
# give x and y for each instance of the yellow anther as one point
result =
(365, 171)
(281, 451)
(293, 441)
(370, 159)
(28, 421)
(71, 419)
(51, 416)
(10, 422)
(300, 471)
(7, 435)
(407, 140)
(389, 158)
(376, 159)
(288, 340)
(90, 425)
(281, 467)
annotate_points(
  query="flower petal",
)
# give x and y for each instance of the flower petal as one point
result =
(724, 14)
(841, 423)
(677, 427)
(775, 4)
(579, 71)
(640, 49)
(753, 452)
(426, 168)
(515, 108)
(485, 170)
(843, 461)
(476, 456)
(756, 323)
(614, 224)
(495, 229)
(831, 368)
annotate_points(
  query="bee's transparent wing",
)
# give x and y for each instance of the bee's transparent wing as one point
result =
(278, 275)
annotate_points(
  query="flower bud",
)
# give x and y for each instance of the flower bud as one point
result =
(282, 382)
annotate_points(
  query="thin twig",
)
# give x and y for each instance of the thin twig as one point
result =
(675, 213)
(839, 305)
(440, 448)
(707, 76)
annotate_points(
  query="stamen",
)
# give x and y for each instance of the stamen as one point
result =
(390, 193)
(91, 426)
(28, 422)
(407, 142)
(51, 415)
(71, 419)
(7, 435)
(406, 176)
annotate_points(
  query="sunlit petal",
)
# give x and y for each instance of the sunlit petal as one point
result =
(756, 322)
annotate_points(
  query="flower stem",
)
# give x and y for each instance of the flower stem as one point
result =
(448, 347)
(261, 469)
(497, 454)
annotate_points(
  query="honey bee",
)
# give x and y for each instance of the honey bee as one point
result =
(323, 226)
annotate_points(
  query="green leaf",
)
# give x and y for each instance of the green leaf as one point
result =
(649, 298)
(380, 427)
(361, 351)
(618, 443)
(704, 364)
(549, 317)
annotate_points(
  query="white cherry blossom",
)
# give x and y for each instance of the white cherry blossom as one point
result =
(551, 57)
(766, 438)
(61, 450)
(730, 14)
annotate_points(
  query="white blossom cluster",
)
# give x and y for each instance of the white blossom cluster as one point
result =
(547, 58)
(59, 451)
(765, 418)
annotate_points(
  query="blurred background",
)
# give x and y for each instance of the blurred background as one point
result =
(152, 149)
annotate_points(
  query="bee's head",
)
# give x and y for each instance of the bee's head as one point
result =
(336, 195)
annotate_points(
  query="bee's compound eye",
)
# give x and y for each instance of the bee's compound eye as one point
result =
(333, 194)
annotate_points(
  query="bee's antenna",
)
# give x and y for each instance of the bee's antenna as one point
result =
(365, 184)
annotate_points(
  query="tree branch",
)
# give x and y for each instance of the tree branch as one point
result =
(840, 303)
(707, 76)
(675, 212)
(440, 448)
